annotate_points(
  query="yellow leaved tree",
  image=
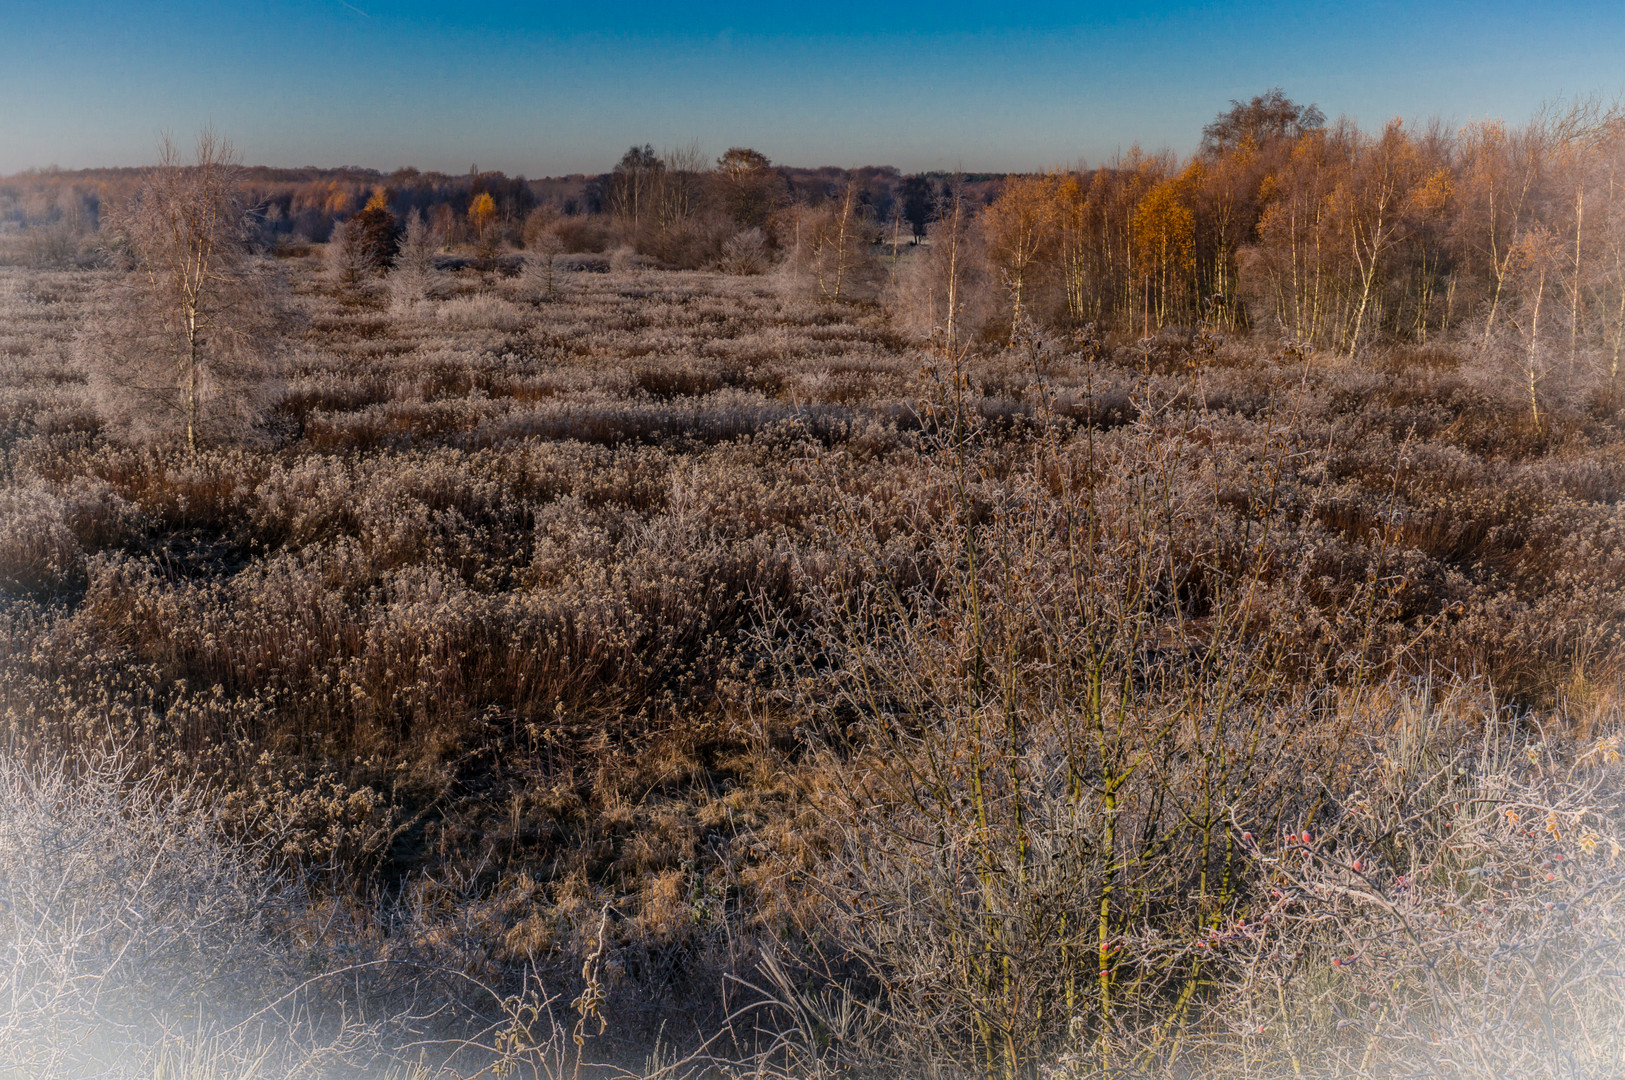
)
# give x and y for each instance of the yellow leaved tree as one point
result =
(1021, 228)
(482, 215)
(1165, 249)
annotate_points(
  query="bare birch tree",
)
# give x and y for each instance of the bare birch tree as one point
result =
(1021, 230)
(180, 340)
(832, 247)
(1538, 260)
(943, 293)
(1375, 201)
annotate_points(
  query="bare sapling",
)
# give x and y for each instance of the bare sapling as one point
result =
(1538, 259)
(414, 278)
(348, 266)
(745, 252)
(830, 249)
(183, 337)
(541, 267)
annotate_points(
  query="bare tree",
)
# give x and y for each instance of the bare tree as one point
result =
(414, 277)
(540, 272)
(943, 293)
(347, 262)
(181, 337)
(1538, 259)
(1269, 117)
(679, 184)
(1379, 191)
(634, 182)
(831, 245)
(750, 188)
(1021, 231)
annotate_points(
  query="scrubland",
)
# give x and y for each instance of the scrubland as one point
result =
(688, 673)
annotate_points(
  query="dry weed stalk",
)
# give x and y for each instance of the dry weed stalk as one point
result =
(1453, 912)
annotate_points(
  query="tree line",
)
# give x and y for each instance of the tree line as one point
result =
(646, 188)
(1325, 234)
(1333, 235)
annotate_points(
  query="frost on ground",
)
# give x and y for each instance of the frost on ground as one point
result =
(715, 672)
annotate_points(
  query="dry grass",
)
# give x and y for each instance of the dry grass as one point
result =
(491, 628)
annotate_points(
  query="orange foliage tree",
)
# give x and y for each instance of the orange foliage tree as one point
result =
(1021, 229)
(1165, 247)
(482, 214)
(1336, 237)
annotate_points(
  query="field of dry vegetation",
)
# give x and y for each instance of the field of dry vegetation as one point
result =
(692, 673)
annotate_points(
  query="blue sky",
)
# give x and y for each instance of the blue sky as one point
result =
(548, 88)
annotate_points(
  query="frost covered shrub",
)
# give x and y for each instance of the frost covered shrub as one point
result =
(1454, 909)
(627, 260)
(481, 312)
(127, 919)
(149, 927)
(38, 550)
(589, 262)
(745, 253)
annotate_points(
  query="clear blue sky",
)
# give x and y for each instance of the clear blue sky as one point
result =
(551, 88)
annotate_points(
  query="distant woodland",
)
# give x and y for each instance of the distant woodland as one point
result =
(1333, 235)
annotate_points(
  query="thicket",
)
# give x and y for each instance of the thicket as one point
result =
(1338, 238)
